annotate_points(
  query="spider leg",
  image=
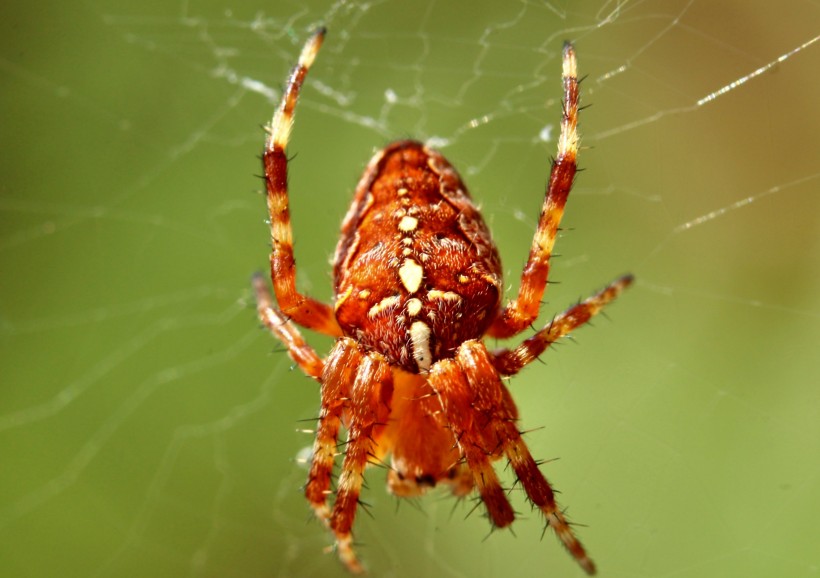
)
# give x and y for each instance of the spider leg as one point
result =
(355, 387)
(367, 411)
(494, 403)
(522, 312)
(337, 376)
(300, 308)
(272, 318)
(458, 401)
(511, 361)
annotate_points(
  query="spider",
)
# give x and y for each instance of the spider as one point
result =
(417, 285)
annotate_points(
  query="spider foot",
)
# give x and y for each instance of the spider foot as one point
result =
(562, 529)
(344, 548)
(322, 512)
(343, 541)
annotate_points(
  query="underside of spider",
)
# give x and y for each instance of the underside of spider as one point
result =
(417, 286)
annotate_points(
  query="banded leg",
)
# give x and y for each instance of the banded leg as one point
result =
(300, 308)
(511, 361)
(523, 311)
(298, 350)
(367, 411)
(457, 401)
(477, 366)
(337, 378)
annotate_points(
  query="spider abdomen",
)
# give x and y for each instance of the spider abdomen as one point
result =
(416, 272)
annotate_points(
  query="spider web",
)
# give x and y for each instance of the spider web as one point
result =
(149, 428)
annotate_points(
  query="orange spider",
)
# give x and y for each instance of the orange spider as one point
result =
(417, 284)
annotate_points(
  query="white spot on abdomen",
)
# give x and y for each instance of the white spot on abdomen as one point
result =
(413, 307)
(420, 338)
(408, 223)
(385, 303)
(446, 295)
(411, 274)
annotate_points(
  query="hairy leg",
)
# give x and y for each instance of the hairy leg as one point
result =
(367, 410)
(337, 378)
(302, 309)
(272, 318)
(523, 311)
(497, 408)
(458, 401)
(511, 361)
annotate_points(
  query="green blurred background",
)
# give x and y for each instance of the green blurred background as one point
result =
(148, 426)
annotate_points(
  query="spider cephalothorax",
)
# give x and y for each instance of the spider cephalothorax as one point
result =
(417, 284)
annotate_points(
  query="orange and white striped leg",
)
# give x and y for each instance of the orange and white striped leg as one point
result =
(523, 311)
(457, 400)
(367, 410)
(302, 309)
(511, 361)
(496, 405)
(337, 376)
(272, 318)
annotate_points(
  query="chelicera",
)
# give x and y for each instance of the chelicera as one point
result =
(417, 286)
